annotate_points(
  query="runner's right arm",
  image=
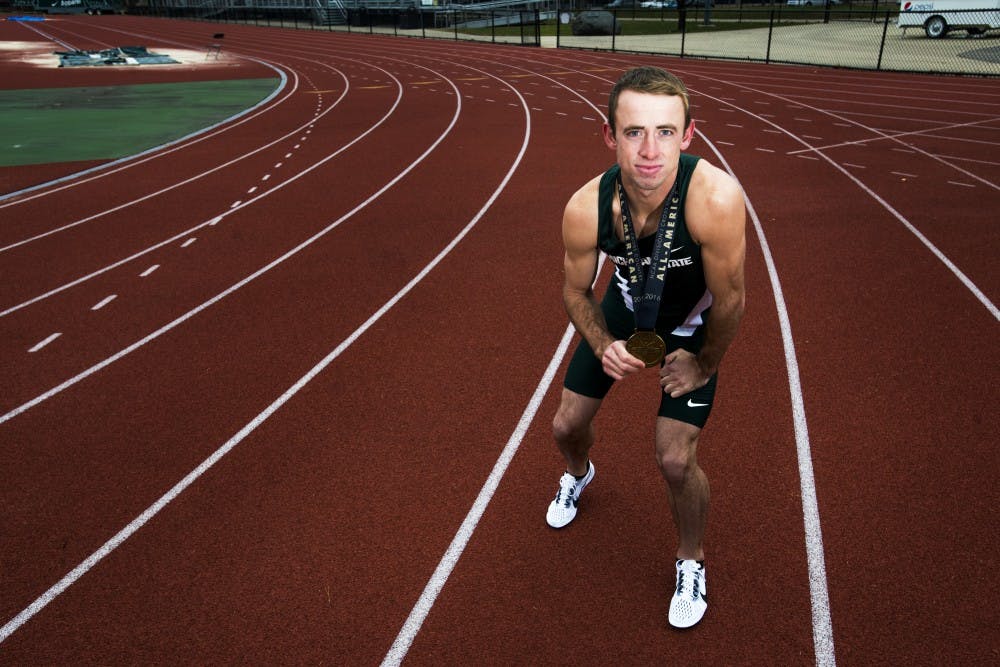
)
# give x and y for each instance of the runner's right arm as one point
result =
(580, 268)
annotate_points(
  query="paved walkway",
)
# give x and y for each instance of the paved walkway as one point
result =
(840, 44)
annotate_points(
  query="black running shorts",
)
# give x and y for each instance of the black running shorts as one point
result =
(586, 375)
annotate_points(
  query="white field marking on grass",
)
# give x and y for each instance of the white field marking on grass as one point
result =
(818, 593)
(48, 596)
(158, 151)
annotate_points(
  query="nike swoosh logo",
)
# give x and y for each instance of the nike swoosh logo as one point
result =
(692, 404)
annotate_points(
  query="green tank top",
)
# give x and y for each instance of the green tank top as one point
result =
(685, 297)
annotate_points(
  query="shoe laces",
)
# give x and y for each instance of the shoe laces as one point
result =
(688, 578)
(567, 490)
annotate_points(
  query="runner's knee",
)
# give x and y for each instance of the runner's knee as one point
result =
(676, 455)
(567, 429)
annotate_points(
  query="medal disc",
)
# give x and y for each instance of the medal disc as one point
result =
(646, 346)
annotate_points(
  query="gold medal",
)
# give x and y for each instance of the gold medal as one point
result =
(646, 346)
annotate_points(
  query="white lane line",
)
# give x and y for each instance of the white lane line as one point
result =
(725, 143)
(401, 645)
(418, 614)
(39, 345)
(957, 272)
(265, 177)
(903, 174)
(148, 271)
(764, 150)
(964, 185)
(103, 302)
(733, 125)
(288, 155)
(855, 166)
(189, 241)
(807, 157)
(816, 561)
(252, 190)
(53, 592)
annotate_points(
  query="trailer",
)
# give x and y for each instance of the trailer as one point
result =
(938, 17)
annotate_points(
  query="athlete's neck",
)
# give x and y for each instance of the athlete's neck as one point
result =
(645, 203)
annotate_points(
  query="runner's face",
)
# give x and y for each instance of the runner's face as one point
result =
(648, 139)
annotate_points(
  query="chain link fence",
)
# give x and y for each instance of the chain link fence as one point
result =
(869, 36)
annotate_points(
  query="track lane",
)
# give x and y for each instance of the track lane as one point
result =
(336, 312)
(802, 296)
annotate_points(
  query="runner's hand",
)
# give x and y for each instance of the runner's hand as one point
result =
(681, 374)
(618, 362)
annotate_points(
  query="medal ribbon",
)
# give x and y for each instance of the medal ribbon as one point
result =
(647, 291)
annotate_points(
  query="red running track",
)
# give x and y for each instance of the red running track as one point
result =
(298, 408)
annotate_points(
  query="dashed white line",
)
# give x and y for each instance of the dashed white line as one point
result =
(764, 150)
(724, 143)
(904, 175)
(265, 177)
(252, 190)
(964, 185)
(148, 271)
(278, 165)
(733, 125)
(39, 345)
(236, 203)
(807, 157)
(103, 302)
(189, 241)
(856, 166)
(288, 155)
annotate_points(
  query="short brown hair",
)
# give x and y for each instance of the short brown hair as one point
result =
(652, 80)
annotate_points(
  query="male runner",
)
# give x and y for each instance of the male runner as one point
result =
(696, 250)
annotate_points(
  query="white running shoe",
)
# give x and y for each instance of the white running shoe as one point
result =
(689, 602)
(562, 510)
